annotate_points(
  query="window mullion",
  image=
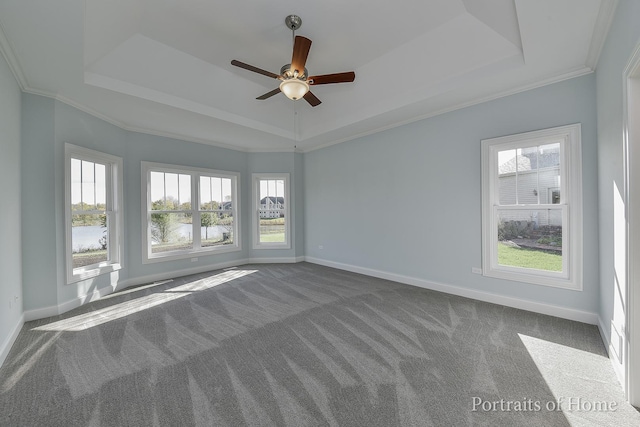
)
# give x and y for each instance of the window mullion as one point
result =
(95, 187)
(108, 185)
(517, 179)
(196, 221)
(538, 173)
(81, 183)
(164, 186)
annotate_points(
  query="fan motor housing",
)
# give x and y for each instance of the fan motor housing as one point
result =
(293, 22)
(286, 72)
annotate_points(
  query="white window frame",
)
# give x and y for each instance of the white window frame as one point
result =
(114, 211)
(255, 216)
(570, 204)
(195, 173)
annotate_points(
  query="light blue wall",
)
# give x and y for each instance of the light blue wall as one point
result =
(298, 199)
(623, 38)
(75, 127)
(39, 222)
(48, 125)
(407, 201)
(10, 241)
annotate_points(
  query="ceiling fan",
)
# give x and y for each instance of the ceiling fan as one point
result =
(295, 79)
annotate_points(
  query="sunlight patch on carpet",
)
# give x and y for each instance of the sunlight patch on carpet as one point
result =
(582, 383)
(118, 311)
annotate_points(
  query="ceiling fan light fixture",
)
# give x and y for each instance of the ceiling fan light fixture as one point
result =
(294, 89)
(294, 77)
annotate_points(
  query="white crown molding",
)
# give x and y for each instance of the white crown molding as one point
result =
(7, 52)
(75, 105)
(292, 149)
(600, 31)
(89, 111)
(5, 48)
(603, 23)
(295, 149)
(180, 103)
(153, 132)
(171, 135)
(524, 88)
(212, 143)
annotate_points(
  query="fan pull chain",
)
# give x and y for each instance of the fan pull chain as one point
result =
(295, 124)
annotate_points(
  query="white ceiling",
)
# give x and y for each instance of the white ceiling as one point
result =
(163, 66)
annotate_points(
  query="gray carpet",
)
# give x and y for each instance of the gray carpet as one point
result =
(297, 345)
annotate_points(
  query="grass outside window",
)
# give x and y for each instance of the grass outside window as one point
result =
(528, 258)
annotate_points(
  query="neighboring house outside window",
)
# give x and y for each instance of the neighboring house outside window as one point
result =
(272, 206)
(270, 217)
(188, 211)
(532, 207)
(93, 213)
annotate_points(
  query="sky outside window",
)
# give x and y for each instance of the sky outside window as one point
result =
(88, 183)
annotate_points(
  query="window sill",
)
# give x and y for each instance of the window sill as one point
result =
(555, 282)
(90, 273)
(189, 254)
(272, 246)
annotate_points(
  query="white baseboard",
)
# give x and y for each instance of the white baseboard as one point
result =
(618, 367)
(537, 307)
(150, 278)
(56, 310)
(549, 309)
(289, 260)
(606, 336)
(8, 342)
(40, 313)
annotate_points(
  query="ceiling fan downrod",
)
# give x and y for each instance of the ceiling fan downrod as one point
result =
(293, 22)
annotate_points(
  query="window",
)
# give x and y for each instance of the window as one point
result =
(271, 211)
(532, 207)
(93, 213)
(188, 211)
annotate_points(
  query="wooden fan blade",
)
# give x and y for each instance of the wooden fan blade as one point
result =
(301, 48)
(332, 78)
(254, 69)
(269, 94)
(312, 99)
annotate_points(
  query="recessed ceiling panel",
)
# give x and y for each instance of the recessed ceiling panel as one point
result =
(163, 66)
(455, 45)
(150, 70)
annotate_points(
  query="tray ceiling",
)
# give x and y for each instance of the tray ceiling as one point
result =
(163, 67)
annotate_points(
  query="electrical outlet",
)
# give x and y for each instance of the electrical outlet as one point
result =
(476, 270)
(194, 259)
(320, 247)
